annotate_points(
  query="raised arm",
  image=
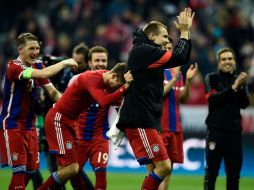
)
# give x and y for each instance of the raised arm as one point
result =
(182, 50)
(181, 53)
(48, 71)
(191, 72)
(184, 22)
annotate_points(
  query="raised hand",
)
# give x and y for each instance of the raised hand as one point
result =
(185, 20)
(192, 71)
(239, 81)
(70, 62)
(242, 78)
(190, 17)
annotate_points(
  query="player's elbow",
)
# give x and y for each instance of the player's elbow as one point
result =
(179, 60)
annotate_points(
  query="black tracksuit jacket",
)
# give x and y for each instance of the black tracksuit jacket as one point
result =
(224, 104)
(142, 107)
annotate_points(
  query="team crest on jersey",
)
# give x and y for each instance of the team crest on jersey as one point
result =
(68, 145)
(14, 156)
(155, 148)
(212, 145)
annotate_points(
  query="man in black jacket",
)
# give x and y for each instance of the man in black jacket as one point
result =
(140, 115)
(227, 94)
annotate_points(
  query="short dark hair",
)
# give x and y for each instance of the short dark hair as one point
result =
(82, 48)
(24, 37)
(223, 50)
(96, 49)
(120, 69)
(153, 27)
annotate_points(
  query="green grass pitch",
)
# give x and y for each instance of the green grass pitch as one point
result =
(133, 181)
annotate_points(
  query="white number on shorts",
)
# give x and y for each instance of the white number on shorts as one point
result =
(103, 157)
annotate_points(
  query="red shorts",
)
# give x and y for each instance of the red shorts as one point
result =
(19, 148)
(147, 145)
(97, 151)
(61, 137)
(173, 142)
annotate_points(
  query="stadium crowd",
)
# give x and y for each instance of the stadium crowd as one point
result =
(62, 24)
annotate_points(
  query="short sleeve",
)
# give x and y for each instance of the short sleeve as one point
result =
(15, 70)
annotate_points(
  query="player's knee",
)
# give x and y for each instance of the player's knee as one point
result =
(73, 169)
(164, 169)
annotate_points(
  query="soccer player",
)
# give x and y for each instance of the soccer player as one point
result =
(87, 88)
(174, 92)
(18, 136)
(93, 125)
(61, 80)
(227, 94)
(140, 115)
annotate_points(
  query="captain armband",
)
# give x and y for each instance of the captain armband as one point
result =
(27, 74)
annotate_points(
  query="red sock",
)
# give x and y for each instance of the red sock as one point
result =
(152, 182)
(77, 182)
(53, 182)
(101, 180)
(17, 181)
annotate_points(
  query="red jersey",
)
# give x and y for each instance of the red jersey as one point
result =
(85, 90)
(94, 123)
(171, 120)
(19, 96)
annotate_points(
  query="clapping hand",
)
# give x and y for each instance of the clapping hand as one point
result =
(239, 81)
(192, 71)
(185, 20)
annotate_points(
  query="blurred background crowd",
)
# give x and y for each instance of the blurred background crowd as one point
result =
(62, 24)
